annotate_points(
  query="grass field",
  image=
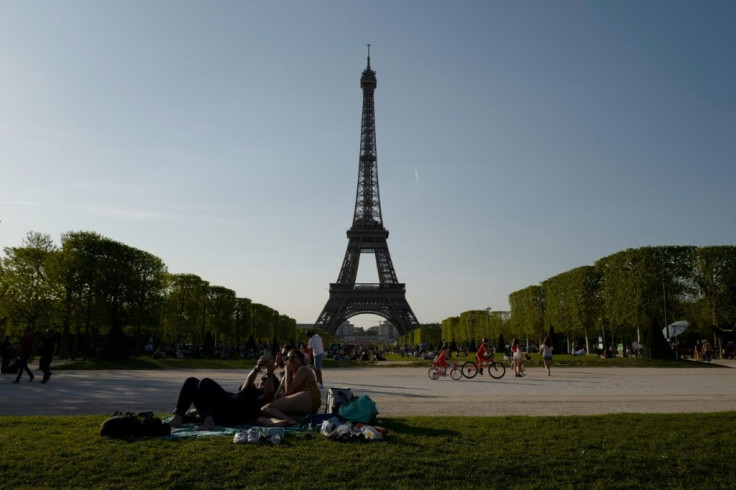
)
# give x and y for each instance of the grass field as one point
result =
(611, 451)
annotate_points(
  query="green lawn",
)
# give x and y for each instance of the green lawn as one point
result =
(610, 451)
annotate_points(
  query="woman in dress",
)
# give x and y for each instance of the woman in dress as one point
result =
(516, 350)
(546, 351)
(300, 397)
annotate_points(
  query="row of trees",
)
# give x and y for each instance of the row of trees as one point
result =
(99, 293)
(624, 294)
(430, 334)
(620, 298)
(465, 330)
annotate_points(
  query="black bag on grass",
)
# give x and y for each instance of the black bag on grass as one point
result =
(130, 426)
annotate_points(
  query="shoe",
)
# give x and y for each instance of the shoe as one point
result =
(252, 435)
(240, 437)
(16, 381)
(481, 371)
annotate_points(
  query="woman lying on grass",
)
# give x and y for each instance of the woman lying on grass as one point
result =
(219, 407)
(301, 396)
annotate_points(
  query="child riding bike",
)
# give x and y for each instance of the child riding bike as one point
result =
(440, 365)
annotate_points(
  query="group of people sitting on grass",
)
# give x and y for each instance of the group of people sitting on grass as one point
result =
(272, 401)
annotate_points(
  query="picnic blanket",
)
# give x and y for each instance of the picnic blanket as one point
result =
(187, 430)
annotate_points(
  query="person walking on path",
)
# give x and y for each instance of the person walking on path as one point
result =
(25, 351)
(707, 351)
(516, 349)
(546, 351)
(317, 353)
(47, 350)
(698, 350)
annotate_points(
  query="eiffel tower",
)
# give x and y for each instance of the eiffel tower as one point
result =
(387, 298)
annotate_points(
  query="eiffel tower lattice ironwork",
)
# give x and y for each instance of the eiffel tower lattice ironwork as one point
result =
(387, 298)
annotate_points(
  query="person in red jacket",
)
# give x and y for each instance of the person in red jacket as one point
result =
(25, 351)
(484, 354)
(441, 359)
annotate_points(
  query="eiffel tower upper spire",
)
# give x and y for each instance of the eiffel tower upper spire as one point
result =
(369, 76)
(367, 196)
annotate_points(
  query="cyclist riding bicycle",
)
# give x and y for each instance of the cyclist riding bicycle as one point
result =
(441, 359)
(484, 354)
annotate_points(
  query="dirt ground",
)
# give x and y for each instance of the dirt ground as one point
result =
(403, 391)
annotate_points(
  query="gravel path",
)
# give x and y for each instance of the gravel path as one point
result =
(400, 391)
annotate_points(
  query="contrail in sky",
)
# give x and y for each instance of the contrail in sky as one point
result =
(416, 175)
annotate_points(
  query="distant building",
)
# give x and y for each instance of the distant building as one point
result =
(381, 333)
(347, 332)
(346, 329)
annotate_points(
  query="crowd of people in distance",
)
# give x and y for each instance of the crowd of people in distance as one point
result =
(427, 351)
(195, 351)
(361, 351)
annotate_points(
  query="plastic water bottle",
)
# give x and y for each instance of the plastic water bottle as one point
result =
(344, 429)
(370, 433)
(327, 428)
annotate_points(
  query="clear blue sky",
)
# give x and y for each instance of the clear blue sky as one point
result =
(516, 140)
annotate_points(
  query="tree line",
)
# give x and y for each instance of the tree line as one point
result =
(105, 297)
(624, 297)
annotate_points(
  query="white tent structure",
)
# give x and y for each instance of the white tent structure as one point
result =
(675, 329)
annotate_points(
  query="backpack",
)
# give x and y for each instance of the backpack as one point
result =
(131, 426)
(361, 409)
(336, 397)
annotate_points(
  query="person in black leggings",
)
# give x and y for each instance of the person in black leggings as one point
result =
(25, 351)
(217, 406)
(47, 350)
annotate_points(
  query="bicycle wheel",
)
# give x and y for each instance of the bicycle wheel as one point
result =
(470, 370)
(434, 372)
(496, 370)
(456, 373)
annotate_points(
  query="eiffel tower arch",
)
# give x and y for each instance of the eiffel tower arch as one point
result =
(387, 298)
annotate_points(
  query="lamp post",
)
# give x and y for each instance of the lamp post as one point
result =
(664, 293)
(488, 333)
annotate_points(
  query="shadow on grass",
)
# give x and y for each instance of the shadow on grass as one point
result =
(402, 426)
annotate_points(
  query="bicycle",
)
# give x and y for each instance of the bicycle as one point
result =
(495, 369)
(453, 368)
